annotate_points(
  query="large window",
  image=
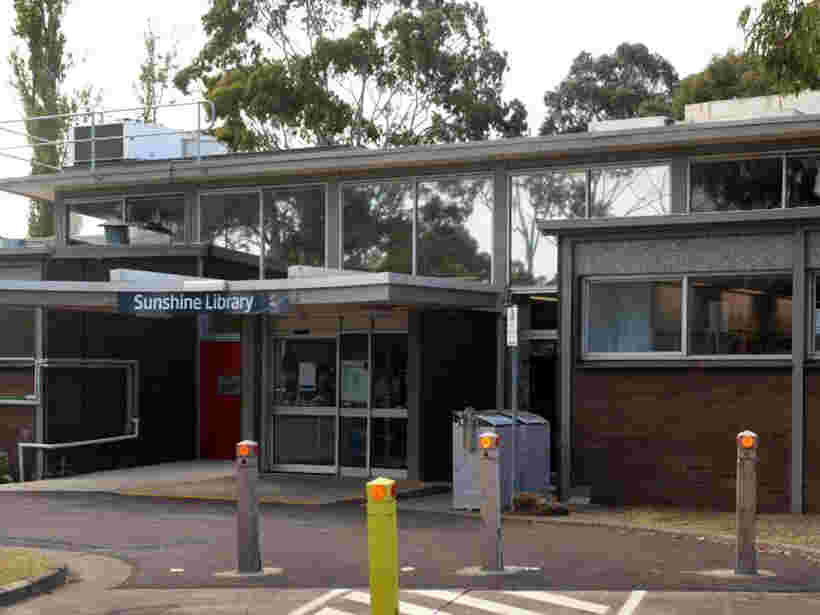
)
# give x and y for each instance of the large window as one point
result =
(231, 220)
(634, 317)
(305, 373)
(803, 181)
(455, 228)
(726, 316)
(377, 224)
(294, 227)
(87, 220)
(557, 195)
(16, 332)
(156, 219)
(629, 191)
(740, 315)
(736, 185)
(390, 370)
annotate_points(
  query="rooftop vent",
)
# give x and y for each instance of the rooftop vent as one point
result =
(633, 123)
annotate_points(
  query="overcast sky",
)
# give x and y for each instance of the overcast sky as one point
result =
(541, 36)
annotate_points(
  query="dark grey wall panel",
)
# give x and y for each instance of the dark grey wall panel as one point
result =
(691, 254)
(812, 250)
(21, 271)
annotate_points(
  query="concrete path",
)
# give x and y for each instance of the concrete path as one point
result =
(212, 480)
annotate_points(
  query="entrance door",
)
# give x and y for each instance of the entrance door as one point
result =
(220, 401)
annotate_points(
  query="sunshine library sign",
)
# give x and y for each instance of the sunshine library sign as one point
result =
(196, 303)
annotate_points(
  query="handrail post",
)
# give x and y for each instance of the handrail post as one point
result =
(198, 132)
(93, 140)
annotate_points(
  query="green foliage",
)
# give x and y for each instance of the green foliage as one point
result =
(631, 82)
(733, 75)
(285, 73)
(785, 36)
(5, 471)
(155, 74)
(38, 76)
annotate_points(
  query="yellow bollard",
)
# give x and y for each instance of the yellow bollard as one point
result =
(382, 545)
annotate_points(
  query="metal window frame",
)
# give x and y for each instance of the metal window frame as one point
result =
(415, 180)
(718, 158)
(686, 298)
(229, 191)
(588, 281)
(338, 412)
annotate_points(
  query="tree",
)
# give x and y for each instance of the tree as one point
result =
(631, 82)
(733, 75)
(285, 73)
(785, 36)
(38, 76)
(155, 74)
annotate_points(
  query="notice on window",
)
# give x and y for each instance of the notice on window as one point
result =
(307, 376)
(354, 381)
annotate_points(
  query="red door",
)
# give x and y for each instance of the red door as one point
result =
(220, 401)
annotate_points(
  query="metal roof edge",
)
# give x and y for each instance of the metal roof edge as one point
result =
(303, 163)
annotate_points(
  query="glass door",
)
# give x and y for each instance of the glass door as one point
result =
(354, 403)
(388, 430)
(302, 436)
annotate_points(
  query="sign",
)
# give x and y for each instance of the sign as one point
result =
(512, 325)
(209, 303)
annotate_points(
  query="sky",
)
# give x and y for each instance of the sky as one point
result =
(541, 37)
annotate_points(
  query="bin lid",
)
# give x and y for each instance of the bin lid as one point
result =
(491, 418)
(527, 418)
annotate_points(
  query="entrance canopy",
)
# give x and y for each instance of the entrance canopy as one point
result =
(132, 291)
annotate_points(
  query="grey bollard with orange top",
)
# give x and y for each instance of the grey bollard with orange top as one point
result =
(247, 510)
(492, 551)
(747, 445)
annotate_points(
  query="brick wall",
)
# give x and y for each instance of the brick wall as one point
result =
(666, 436)
(14, 420)
(813, 441)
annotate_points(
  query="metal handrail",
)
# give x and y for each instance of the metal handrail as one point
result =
(22, 445)
(93, 140)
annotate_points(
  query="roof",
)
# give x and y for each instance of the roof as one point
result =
(375, 288)
(350, 162)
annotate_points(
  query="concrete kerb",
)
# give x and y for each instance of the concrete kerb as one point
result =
(20, 590)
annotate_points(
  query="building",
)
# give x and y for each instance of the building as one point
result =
(684, 266)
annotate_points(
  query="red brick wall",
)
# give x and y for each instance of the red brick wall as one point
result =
(813, 440)
(667, 436)
(13, 421)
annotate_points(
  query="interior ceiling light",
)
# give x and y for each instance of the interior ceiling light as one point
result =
(539, 298)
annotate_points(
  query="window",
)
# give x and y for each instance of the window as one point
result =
(390, 370)
(634, 317)
(231, 221)
(377, 222)
(86, 221)
(740, 315)
(294, 227)
(802, 181)
(726, 316)
(355, 370)
(455, 228)
(17, 381)
(156, 219)
(305, 373)
(736, 185)
(629, 191)
(557, 195)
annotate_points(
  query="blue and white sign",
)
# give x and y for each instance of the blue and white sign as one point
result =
(198, 303)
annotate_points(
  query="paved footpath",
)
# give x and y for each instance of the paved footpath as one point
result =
(144, 556)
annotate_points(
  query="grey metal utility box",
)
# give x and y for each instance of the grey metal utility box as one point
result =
(533, 465)
(466, 488)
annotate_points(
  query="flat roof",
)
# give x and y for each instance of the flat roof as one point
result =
(376, 288)
(352, 161)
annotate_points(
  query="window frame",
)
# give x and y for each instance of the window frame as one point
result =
(718, 158)
(686, 304)
(415, 180)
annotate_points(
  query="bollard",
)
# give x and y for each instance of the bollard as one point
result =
(247, 517)
(382, 544)
(492, 552)
(747, 443)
